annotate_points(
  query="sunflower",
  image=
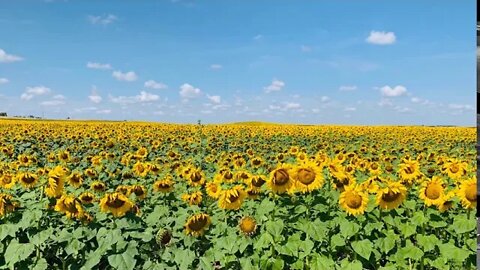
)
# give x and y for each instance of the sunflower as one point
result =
(213, 189)
(226, 176)
(140, 169)
(141, 153)
(194, 198)
(124, 189)
(353, 200)
(280, 180)
(87, 197)
(256, 162)
(455, 169)
(28, 180)
(446, 202)
(374, 168)
(139, 191)
(56, 182)
(163, 237)
(116, 203)
(232, 198)
(165, 185)
(98, 186)
(64, 156)
(409, 171)
(154, 168)
(392, 195)
(7, 181)
(248, 226)
(372, 184)
(75, 179)
(432, 191)
(242, 176)
(467, 192)
(70, 206)
(25, 160)
(196, 178)
(196, 225)
(7, 204)
(307, 177)
(257, 181)
(253, 193)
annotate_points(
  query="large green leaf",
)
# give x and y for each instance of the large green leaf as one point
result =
(363, 248)
(17, 252)
(427, 242)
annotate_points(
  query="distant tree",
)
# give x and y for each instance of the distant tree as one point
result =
(4, 114)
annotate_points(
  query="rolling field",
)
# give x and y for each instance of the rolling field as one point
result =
(121, 195)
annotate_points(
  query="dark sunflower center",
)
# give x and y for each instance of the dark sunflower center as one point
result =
(306, 176)
(115, 203)
(233, 197)
(138, 191)
(454, 168)
(409, 170)
(354, 201)
(98, 187)
(471, 194)
(256, 162)
(252, 192)
(195, 177)
(374, 166)
(71, 207)
(389, 168)
(29, 179)
(7, 179)
(390, 196)
(164, 185)
(248, 225)
(280, 177)
(258, 182)
(87, 198)
(63, 156)
(197, 224)
(432, 192)
(75, 178)
(228, 175)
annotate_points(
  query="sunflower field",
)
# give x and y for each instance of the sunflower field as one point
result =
(124, 195)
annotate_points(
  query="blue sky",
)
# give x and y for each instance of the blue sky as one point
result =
(316, 62)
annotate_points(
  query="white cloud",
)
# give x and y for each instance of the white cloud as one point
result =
(3, 80)
(350, 109)
(461, 107)
(305, 48)
(402, 109)
(59, 97)
(347, 88)
(292, 105)
(381, 38)
(95, 65)
(8, 58)
(415, 100)
(216, 66)
(187, 91)
(214, 99)
(143, 97)
(104, 111)
(127, 76)
(94, 96)
(258, 37)
(102, 19)
(324, 98)
(396, 91)
(155, 85)
(385, 102)
(54, 102)
(315, 110)
(31, 92)
(276, 85)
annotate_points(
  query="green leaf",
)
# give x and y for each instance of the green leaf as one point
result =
(264, 241)
(363, 248)
(246, 264)
(427, 242)
(451, 252)
(463, 225)
(184, 258)
(337, 241)
(321, 262)
(155, 217)
(278, 264)
(418, 219)
(74, 246)
(348, 229)
(353, 265)
(275, 228)
(41, 264)
(7, 230)
(126, 260)
(388, 243)
(407, 229)
(411, 252)
(17, 252)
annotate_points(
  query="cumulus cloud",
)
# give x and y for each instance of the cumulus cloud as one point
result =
(276, 85)
(187, 91)
(396, 91)
(216, 66)
(54, 102)
(127, 76)
(59, 97)
(31, 92)
(102, 19)
(155, 85)
(381, 38)
(95, 65)
(94, 96)
(143, 97)
(347, 88)
(401, 109)
(3, 80)
(8, 58)
(214, 99)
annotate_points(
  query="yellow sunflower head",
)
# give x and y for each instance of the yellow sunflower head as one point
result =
(87, 197)
(467, 192)
(196, 178)
(115, 203)
(307, 177)
(280, 180)
(446, 202)
(139, 191)
(392, 195)
(248, 226)
(213, 189)
(432, 191)
(98, 186)
(7, 204)
(70, 206)
(194, 198)
(75, 179)
(196, 225)
(7, 181)
(353, 200)
(232, 198)
(165, 185)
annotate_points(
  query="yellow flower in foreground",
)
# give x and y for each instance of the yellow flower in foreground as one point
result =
(280, 180)
(391, 196)
(197, 224)
(307, 177)
(70, 206)
(353, 200)
(467, 192)
(247, 226)
(432, 191)
(232, 198)
(116, 203)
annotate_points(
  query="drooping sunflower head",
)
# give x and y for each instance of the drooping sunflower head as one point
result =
(7, 181)
(7, 204)
(247, 226)
(257, 181)
(307, 177)
(467, 192)
(116, 203)
(446, 202)
(253, 193)
(392, 195)
(280, 180)
(165, 185)
(353, 200)
(124, 189)
(163, 237)
(232, 198)
(372, 184)
(256, 162)
(64, 156)
(242, 176)
(28, 180)
(196, 225)
(194, 198)
(139, 190)
(98, 186)
(87, 197)
(432, 191)
(90, 172)
(75, 179)
(70, 206)
(196, 177)
(140, 169)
